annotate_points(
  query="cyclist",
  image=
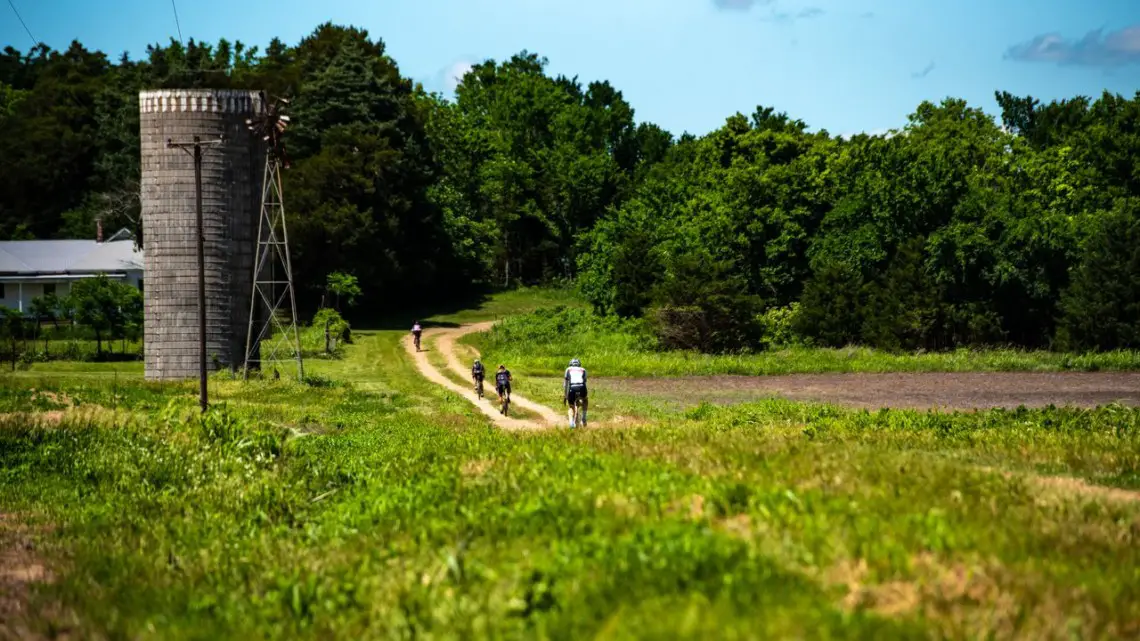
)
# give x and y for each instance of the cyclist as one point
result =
(416, 331)
(573, 388)
(477, 376)
(503, 382)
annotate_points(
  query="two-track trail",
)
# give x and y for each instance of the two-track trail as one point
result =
(445, 343)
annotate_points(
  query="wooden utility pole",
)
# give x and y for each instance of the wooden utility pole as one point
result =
(196, 146)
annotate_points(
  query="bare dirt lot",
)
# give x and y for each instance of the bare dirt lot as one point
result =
(976, 390)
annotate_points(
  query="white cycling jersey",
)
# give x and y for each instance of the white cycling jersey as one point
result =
(576, 376)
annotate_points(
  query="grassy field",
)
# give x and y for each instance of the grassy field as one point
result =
(370, 504)
(540, 343)
(511, 303)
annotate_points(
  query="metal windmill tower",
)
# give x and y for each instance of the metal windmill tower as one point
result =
(278, 332)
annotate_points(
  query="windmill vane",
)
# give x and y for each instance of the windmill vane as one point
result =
(270, 125)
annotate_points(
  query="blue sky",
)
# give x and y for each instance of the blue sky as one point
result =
(843, 65)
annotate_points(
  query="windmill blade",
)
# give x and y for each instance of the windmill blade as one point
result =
(270, 124)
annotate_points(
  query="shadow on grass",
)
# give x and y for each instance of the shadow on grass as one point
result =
(404, 318)
(108, 357)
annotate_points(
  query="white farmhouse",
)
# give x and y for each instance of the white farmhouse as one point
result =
(31, 268)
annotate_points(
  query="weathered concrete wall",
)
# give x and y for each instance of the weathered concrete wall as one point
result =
(231, 194)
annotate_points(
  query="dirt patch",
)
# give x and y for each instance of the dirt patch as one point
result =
(691, 507)
(966, 600)
(941, 390)
(55, 397)
(53, 417)
(20, 569)
(1068, 487)
(91, 414)
(475, 468)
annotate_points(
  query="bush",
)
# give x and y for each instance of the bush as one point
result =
(777, 326)
(568, 329)
(314, 341)
(337, 326)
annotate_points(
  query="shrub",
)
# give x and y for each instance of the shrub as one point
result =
(337, 326)
(314, 340)
(777, 327)
(561, 328)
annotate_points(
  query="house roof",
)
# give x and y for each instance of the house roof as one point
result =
(33, 257)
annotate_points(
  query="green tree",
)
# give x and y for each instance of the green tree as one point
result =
(363, 170)
(108, 307)
(13, 324)
(904, 309)
(48, 147)
(833, 305)
(341, 284)
(1101, 308)
(703, 304)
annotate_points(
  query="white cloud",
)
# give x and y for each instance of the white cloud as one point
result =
(454, 73)
(1095, 49)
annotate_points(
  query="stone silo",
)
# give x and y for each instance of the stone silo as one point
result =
(231, 195)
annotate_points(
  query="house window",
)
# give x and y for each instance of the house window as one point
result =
(140, 284)
(49, 289)
(3, 293)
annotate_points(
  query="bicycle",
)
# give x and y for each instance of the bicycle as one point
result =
(417, 341)
(504, 403)
(479, 387)
(577, 409)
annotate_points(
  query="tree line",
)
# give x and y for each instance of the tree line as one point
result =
(959, 229)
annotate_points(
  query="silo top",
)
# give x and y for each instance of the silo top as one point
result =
(233, 101)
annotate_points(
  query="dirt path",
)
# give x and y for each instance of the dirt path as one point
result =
(445, 343)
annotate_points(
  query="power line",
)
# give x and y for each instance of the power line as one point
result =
(176, 23)
(36, 43)
(24, 24)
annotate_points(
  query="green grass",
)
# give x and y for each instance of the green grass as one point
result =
(511, 303)
(66, 349)
(370, 504)
(133, 369)
(541, 343)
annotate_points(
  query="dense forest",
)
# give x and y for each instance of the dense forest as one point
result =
(959, 229)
